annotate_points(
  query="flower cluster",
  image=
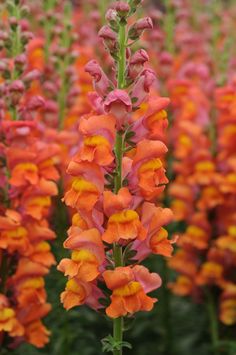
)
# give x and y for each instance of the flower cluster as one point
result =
(117, 175)
(28, 176)
(202, 136)
(207, 201)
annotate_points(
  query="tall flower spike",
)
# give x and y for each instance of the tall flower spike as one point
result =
(116, 171)
(28, 176)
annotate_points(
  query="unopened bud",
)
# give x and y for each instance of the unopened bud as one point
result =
(101, 82)
(13, 21)
(136, 63)
(107, 34)
(118, 103)
(21, 59)
(24, 25)
(32, 75)
(111, 15)
(3, 35)
(27, 36)
(3, 66)
(17, 86)
(141, 25)
(50, 88)
(139, 57)
(122, 8)
(36, 103)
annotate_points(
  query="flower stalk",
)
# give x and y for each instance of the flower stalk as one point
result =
(117, 249)
(214, 328)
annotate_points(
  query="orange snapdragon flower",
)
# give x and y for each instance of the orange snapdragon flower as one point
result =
(155, 118)
(78, 292)
(86, 187)
(183, 286)
(228, 305)
(147, 169)
(24, 173)
(13, 236)
(129, 287)
(36, 54)
(87, 255)
(196, 237)
(96, 149)
(8, 320)
(153, 219)
(124, 225)
(37, 334)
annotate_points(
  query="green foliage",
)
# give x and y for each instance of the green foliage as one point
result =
(109, 344)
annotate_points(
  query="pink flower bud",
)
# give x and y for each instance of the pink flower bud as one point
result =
(111, 15)
(25, 25)
(35, 103)
(144, 24)
(21, 59)
(27, 36)
(107, 34)
(17, 86)
(95, 16)
(141, 25)
(101, 82)
(94, 69)
(118, 103)
(110, 39)
(139, 57)
(96, 102)
(3, 66)
(51, 106)
(166, 58)
(3, 89)
(156, 15)
(13, 21)
(3, 35)
(50, 87)
(142, 86)
(122, 8)
(157, 35)
(32, 75)
(136, 63)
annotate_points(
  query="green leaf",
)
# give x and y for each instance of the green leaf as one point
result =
(129, 134)
(109, 344)
(134, 100)
(104, 302)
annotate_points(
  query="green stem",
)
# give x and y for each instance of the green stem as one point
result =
(62, 96)
(122, 55)
(47, 31)
(63, 65)
(3, 272)
(214, 326)
(169, 25)
(117, 249)
(166, 315)
(119, 155)
(118, 322)
(15, 50)
(48, 26)
(118, 333)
